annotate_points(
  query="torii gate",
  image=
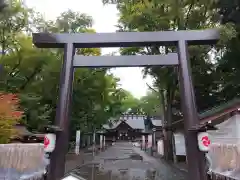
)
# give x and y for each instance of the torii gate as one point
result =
(180, 39)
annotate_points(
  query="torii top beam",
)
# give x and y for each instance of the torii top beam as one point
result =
(125, 39)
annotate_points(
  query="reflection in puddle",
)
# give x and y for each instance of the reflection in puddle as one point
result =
(98, 172)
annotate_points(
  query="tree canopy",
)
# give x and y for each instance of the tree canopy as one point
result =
(34, 74)
(213, 73)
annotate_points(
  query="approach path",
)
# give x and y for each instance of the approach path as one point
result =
(122, 161)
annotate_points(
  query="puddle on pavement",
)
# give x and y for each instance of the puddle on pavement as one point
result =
(131, 156)
(136, 157)
(98, 172)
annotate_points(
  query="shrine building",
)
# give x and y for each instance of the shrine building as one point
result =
(131, 127)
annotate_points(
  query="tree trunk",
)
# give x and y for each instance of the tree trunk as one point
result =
(167, 121)
(165, 150)
(169, 134)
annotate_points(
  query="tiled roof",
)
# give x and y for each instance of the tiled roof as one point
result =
(136, 123)
(217, 109)
(133, 123)
(111, 125)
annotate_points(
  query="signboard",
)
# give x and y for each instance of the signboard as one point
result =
(104, 141)
(78, 136)
(149, 141)
(179, 144)
(203, 141)
(160, 149)
(49, 142)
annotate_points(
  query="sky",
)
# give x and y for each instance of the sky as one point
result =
(105, 18)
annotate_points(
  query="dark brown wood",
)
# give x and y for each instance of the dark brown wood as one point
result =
(57, 162)
(195, 157)
(125, 39)
(125, 61)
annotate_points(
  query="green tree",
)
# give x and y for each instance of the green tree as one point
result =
(34, 74)
(151, 103)
(160, 15)
(131, 104)
(13, 19)
(228, 66)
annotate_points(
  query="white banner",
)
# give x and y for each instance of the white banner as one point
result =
(94, 137)
(160, 147)
(77, 147)
(143, 141)
(101, 141)
(149, 141)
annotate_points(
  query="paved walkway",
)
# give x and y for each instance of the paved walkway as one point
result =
(125, 162)
(165, 170)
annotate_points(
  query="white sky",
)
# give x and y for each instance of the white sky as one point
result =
(105, 19)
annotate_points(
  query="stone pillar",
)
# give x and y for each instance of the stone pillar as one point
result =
(94, 143)
(145, 145)
(104, 142)
(78, 139)
(150, 143)
(143, 142)
(88, 140)
(101, 141)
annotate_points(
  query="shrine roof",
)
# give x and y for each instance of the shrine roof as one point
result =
(217, 111)
(134, 121)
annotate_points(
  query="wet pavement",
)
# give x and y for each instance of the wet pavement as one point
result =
(122, 161)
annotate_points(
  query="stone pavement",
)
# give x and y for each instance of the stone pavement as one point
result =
(125, 162)
(73, 160)
(165, 170)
